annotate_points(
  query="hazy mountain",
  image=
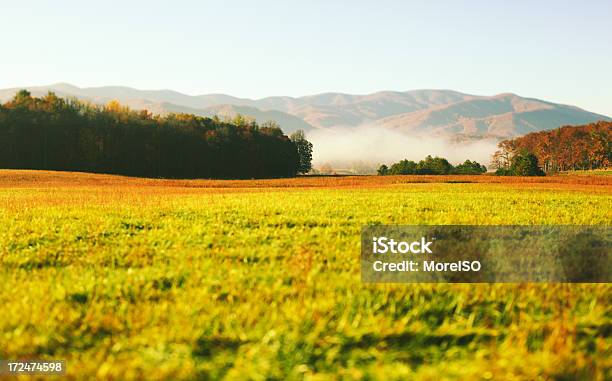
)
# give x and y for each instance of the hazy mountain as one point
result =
(442, 112)
(127, 94)
(289, 123)
(333, 109)
(499, 116)
(166, 101)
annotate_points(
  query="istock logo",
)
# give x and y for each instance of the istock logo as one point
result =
(486, 254)
(383, 245)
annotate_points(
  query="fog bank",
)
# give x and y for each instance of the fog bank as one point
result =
(342, 147)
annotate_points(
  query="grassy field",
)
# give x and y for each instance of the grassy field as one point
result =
(165, 279)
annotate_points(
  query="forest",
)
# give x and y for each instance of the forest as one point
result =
(562, 149)
(53, 133)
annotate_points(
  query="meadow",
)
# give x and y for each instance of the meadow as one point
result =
(260, 279)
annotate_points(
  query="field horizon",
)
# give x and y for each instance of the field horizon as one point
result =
(44, 178)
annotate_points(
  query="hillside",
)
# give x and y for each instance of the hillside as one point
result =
(503, 115)
(438, 112)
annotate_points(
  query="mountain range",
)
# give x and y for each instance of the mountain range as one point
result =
(435, 112)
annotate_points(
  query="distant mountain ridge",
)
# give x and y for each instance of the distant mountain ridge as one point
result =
(439, 112)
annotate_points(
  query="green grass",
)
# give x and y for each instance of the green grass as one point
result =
(265, 284)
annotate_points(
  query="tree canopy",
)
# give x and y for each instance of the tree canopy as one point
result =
(432, 166)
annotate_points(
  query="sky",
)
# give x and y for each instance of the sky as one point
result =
(560, 51)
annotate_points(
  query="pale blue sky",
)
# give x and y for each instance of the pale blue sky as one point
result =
(555, 50)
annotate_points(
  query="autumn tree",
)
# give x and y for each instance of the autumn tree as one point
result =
(562, 149)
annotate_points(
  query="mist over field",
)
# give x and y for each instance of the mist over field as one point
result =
(366, 147)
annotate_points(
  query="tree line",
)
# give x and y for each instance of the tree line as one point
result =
(562, 149)
(432, 166)
(53, 133)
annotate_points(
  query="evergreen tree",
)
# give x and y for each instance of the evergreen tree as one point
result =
(304, 151)
(383, 170)
(525, 164)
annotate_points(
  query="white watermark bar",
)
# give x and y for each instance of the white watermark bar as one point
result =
(32, 367)
(486, 254)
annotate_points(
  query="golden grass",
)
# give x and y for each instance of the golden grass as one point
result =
(259, 279)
